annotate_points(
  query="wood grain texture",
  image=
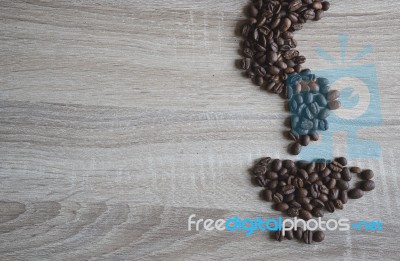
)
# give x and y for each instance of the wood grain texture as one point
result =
(119, 119)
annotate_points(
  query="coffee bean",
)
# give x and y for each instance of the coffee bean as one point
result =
(282, 172)
(320, 100)
(304, 140)
(279, 236)
(335, 166)
(331, 183)
(307, 236)
(260, 170)
(260, 181)
(367, 185)
(317, 203)
(298, 183)
(273, 184)
(288, 198)
(314, 136)
(313, 177)
(293, 212)
(318, 15)
(355, 193)
(303, 200)
(259, 80)
(341, 160)
(282, 206)
(343, 196)
(323, 189)
(277, 197)
(333, 194)
(268, 195)
(318, 236)
(301, 192)
(346, 175)
(285, 24)
(271, 175)
(323, 197)
(367, 174)
(356, 170)
(317, 5)
(334, 105)
(294, 5)
(289, 234)
(323, 114)
(295, 204)
(330, 206)
(315, 191)
(342, 184)
(338, 203)
(295, 148)
(298, 233)
(317, 212)
(288, 164)
(302, 174)
(304, 214)
(325, 6)
(288, 189)
(276, 165)
(264, 161)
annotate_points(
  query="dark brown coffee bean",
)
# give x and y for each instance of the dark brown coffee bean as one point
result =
(260, 71)
(298, 233)
(273, 70)
(333, 194)
(310, 168)
(279, 236)
(298, 183)
(292, 212)
(288, 164)
(331, 184)
(304, 140)
(285, 24)
(323, 197)
(250, 74)
(303, 201)
(289, 234)
(338, 203)
(342, 161)
(294, 5)
(356, 170)
(272, 184)
(367, 185)
(295, 204)
(301, 192)
(277, 197)
(335, 166)
(330, 206)
(276, 165)
(343, 196)
(260, 181)
(268, 195)
(281, 183)
(271, 175)
(293, 135)
(314, 191)
(342, 184)
(288, 189)
(295, 148)
(355, 193)
(324, 189)
(346, 175)
(259, 170)
(318, 15)
(313, 177)
(282, 206)
(318, 236)
(259, 80)
(309, 14)
(288, 198)
(334, 105)
(253, 11)
(314, 136)
(304, 214)
(265, 161)
(307, 236)
(325, 173)
(335, 175)
(272, 57)
(317, 212)
(282, 172)
(367, 174)
(317, 5)
(302, 174)
(325, 5)
(317, 203)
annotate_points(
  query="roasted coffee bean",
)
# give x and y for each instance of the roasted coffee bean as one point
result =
(302, 174)
(313, 177)
(295, 204)
(317, 203)
(294, 5)
(342, 160)
(281, 183)
(272, 184)
(346, 175)
(336, 166)
(304, 214)
(288, 164)
(259, 80)
(333, 194)
(318, 15)
(317, 5)
(314, 136)
(301, 192)
(318, 236)
(323, 189)
(323, 197)
(246, 62)
(282, 206)
(356, 170)
(268, 195)
(279, 236)
(265, 161)
(295, 148)
(288, 189)
(260, 181)
(303, 200)
(271, 175)
(367, 174)
(325, 5)
(298, 183)
(343, 196)
(367, 185)
(342, 184)
(298, 233)
(292, 212)
(335, 175)
(317, 212)
(304, 140)
(309, 207)
(334, 105)
(276, 165)
(330, 206)
(289, 234)
(285, 24)
(307, 236)
(338, 203)
(331, 184)
(277, 197)
(355, 193)
(309, 14)
(282, 172)
(288, 198)
(259, 170)
(314, 191)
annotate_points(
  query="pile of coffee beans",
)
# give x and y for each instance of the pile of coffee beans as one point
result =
(269, 47)
(310, 102)
(310, 189)
(306, 236)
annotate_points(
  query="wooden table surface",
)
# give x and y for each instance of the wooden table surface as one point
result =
(119, 119)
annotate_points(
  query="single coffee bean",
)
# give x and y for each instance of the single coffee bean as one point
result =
(333, 194)
(313, 177)
(323, 114)
(264, 161)
(271, 175)
(303, 200)
(277, 197)
(293, 212)
(273, 184)
(330, 206)
(367, 185)
(304, 214)
(314, 136)
(285, 24)
(317, 203)
(304, 140)
(342, 161)
(346, 175)
(282, 206)
(295, 148)
(260, 181)
(307, 236)
(320, 100)
(343, 196)
(315, 191)
(295, 204)
(301, 192)
(333, 95)
(342, 184)
(294, 5)
(334, 105)
(338, 203)
(289, 234)
(288, 189)
(268, 195)
(335, 166)
(276, 165)
(331, 184)
(309, 207)
(323, 197)
(317, 5)
(356, 170)
(317, 212)
(288, 198)
(324, 189)
(259, 80)
(298, 233)
(282, 172)
(259, 170)
(279, 236)
(367, 174)
(325, 5)
(288, 164)
(298, 183)
(318, 236)
(355, 193)
(335, 175)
